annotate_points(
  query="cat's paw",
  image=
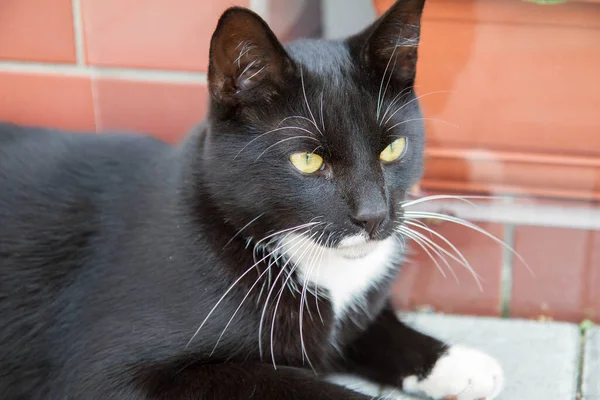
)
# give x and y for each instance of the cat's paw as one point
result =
(461, 374)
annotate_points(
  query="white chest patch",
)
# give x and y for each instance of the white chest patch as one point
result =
(342, 275)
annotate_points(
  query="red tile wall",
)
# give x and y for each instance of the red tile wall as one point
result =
(168, 110)
(565, 284)
(560, 280)
(37, 30)
(117, 65)
(424, 284)
(59, 101)
(161, 34)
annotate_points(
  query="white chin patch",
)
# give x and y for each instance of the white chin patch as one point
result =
(343, 274)
(356, 246)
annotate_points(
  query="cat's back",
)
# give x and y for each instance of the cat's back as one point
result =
(56, 188)
(58, 193)
(54, 182)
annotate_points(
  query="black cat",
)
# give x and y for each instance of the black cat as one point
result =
(253, 261)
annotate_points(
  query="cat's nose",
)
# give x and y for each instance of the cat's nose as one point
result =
(371, 218)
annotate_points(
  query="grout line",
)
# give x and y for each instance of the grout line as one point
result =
(148, 75)
(506, 277)
(142, 75)
(78, 32)
(96, 102)
(586, 216)
(581, 363)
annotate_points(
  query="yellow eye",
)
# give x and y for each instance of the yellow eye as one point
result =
(394, 151)
(307, 162)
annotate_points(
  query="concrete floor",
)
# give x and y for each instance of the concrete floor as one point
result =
(541, 360)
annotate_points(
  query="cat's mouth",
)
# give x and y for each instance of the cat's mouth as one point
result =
(356, 246)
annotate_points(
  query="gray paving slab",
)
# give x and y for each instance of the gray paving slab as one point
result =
(591, 366)
(540, 359)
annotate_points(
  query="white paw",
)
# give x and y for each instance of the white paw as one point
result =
(462, 374)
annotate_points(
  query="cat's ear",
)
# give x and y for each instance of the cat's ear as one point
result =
(390, 44)
(247, 62)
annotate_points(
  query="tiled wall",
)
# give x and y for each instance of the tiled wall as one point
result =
(98, 65)
(556, 274)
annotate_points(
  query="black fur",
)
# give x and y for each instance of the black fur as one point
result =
(114, 249)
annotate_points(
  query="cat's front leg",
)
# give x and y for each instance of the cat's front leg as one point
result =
(393, 354)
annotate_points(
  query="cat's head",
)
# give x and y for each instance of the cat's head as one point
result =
(322, 135)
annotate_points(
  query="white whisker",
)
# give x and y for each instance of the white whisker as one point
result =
(448, 197)
(293, 229)
(444, 239)
(284, 140)
(311, 257)
(325, 247)
(227, 292)
(238, 308)
(283, 286)
(305, 289)
(389, 79)
(409, 234)
(399, 96)
(306, 100)
(379, 95)
(282, 269)
(322, 115)
(464, 263)
(421, 225)
(240, 231)
(325, 250)
(413, 100)
(271, 131)
(398, 44)
(419, 119)
(258, 137)
(299, 117)
(459, 221)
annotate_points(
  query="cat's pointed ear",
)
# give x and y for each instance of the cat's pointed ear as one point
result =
(246, 60)
(390, 44)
